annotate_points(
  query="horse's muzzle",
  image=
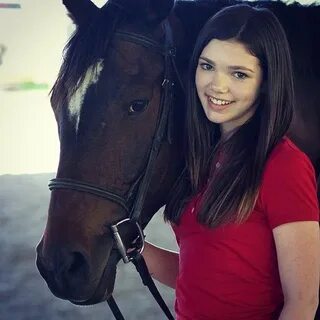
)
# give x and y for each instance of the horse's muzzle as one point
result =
(69, 277)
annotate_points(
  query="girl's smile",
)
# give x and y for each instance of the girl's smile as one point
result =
(218, 104)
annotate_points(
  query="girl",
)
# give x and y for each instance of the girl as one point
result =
(245, 211)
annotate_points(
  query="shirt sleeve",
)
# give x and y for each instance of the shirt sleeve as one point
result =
(289, 189)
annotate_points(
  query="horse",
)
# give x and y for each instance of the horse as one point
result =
(108, 103)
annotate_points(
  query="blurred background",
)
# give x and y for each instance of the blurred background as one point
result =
(32, 36)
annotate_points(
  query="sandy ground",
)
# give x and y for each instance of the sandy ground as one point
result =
(24, 294)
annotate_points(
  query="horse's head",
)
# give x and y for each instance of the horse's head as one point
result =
(107, 103)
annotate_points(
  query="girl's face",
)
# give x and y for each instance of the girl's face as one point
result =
(228, 81)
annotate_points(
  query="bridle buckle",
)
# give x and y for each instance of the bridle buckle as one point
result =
(138, 241)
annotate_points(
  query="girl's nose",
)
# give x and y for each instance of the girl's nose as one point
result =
(219, 84)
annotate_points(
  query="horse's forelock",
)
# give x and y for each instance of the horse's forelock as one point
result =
(86, 47)
(90, 41)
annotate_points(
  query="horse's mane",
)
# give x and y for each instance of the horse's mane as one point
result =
(86, 46)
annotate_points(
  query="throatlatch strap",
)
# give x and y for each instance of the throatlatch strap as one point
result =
(165, 104)
(142, 268)
(145, 276)
(115, 309)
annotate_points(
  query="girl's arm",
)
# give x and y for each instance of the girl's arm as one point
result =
(163, 264)
(298, 252)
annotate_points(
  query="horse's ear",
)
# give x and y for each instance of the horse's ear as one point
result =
(80, 11)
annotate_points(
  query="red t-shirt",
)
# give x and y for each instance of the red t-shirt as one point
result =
(231, 272)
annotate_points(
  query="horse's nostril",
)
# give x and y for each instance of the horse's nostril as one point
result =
(77, 264)
(76, 267)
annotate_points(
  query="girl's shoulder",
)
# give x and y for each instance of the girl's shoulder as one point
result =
(286, 157)
(288, 187)
(288, 170)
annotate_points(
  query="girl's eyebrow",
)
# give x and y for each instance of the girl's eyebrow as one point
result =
(230, 67)
(207, 59)
(241, 68)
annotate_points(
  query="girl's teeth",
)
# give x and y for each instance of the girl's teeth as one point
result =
(219, 102)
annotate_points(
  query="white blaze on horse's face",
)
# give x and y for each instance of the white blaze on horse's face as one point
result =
(76, 100)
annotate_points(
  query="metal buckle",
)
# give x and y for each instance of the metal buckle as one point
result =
(138, 241)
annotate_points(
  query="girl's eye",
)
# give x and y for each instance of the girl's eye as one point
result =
(206, 66)
(240, 75)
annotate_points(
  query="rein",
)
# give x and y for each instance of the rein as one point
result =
(134, 207)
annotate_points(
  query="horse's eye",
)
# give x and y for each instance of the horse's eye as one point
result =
(138, 106)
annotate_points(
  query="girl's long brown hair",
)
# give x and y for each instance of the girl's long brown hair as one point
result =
(230, 193)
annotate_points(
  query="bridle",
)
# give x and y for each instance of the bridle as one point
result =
(133, 207)
(133, 202)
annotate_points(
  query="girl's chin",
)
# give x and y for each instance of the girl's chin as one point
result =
(215, 118)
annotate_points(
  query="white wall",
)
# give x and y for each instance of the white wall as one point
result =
(34, 36)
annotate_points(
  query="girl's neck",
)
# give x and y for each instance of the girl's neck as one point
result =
(226, 135)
